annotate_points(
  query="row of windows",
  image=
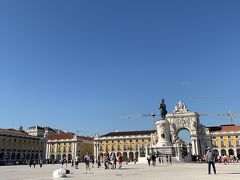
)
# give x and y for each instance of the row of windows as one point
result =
(230, 144)
(25, 141)
(125, 140)
(229, 137)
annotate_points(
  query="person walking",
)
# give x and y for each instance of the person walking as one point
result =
(211, 160)
(87, 162)
(120, 159)
(40, 163)
(149, 160)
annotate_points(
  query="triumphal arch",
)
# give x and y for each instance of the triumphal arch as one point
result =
(166, 140)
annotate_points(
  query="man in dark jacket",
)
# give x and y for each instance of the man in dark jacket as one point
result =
(211, 161)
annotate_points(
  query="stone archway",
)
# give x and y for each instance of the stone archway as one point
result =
(52, 157)
(216, 152)
(125, 157)
(238, 153)
(1, 155)
(230, 152)
(131, 156)
(223, 152)
(18, 156)
(180, 119)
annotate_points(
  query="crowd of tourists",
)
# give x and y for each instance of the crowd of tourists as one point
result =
(151, 159)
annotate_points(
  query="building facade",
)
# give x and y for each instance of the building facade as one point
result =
(41, 131)
(18, 147)
(128, 143)
(68, 146)
(225, 139)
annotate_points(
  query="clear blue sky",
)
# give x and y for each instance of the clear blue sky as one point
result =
(81, 65)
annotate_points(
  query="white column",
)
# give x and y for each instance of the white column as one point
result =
(193, 147)
(47, 152)
(75, 149)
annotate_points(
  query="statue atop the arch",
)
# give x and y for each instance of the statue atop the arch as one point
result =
(163, 110)
(180, 108)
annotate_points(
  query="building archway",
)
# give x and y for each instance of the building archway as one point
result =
(136, 156)
(180, 119)
(223, 152)
(2, 155)
(13, 156)
(36, 156)
(28, 156)
(69, 157)
(238, 153)
(59, 157)
(230, 152)
(131, 156)
(32, 156)
(64, 156)
(184, 139)
(125, 157)
(52, 157)
(215, 152)
(23, 155)
(18, 156)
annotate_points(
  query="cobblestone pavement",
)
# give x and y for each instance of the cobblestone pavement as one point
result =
(178, 171)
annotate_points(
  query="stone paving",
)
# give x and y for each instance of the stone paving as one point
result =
(178, 171)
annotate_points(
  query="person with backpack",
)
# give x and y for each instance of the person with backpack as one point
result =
(211, 161)
(87, 162)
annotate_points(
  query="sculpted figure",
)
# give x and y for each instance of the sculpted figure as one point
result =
(163, 109)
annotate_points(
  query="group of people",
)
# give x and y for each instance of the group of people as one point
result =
(226, 159)
(152, 159)
(110, 160)
(34, 162)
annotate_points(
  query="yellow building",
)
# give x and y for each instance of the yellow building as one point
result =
(127, 143)
(68, 146)
(225, 139)
(18, 146)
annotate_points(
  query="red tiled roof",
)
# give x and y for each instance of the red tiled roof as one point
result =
(58, 136)
(13, 132)
(129, 133)
(225, 128)
(230, 128)
(88, 138)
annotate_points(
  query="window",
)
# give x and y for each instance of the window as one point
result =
(112, 141)
(142, 140)
(130, 140)
(136, 140)
(124, 147)
(118, 147)
(130, 147)
(222, 144)
(118, 141)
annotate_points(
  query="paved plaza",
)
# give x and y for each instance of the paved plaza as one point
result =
(131, 171)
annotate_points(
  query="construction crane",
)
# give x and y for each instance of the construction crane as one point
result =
(136, 116)
(229, 115)
(153, 115)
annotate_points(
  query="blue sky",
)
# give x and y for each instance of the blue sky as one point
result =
(81, 65)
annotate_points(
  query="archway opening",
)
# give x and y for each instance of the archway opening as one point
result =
(131, 156)
(238, 153)
(184, 142)
(223, 152)
(230, 152)
(215, 152)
